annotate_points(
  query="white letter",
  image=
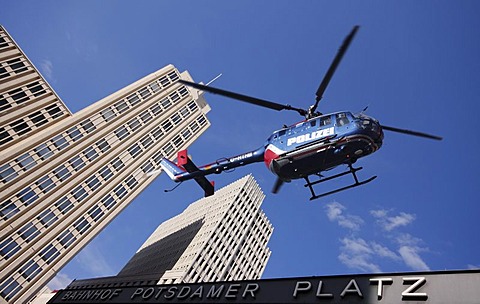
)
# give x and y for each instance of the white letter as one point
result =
(410, 291)
(356, 290)
(380, 285)
(322, 295)
(232, 291)
(247, 289)
(306, 287)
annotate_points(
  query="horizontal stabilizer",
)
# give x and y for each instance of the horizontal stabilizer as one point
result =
(185, 170)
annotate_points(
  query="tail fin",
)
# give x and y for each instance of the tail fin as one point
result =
(171, 169)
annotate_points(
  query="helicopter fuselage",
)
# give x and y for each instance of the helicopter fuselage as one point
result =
(308, 147)
(321, 143)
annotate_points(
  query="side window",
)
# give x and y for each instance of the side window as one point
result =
(325, 120)
(342, 119)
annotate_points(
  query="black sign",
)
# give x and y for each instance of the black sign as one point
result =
(427, 287)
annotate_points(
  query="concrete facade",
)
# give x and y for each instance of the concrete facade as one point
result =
(218, 238)
(65, 176)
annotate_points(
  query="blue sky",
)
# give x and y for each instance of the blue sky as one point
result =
(414, 63)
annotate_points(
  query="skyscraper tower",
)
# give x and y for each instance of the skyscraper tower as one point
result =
(64, 176)
(218, 238)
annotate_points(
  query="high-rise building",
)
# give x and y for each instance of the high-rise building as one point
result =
(218, 238)
(64, 176)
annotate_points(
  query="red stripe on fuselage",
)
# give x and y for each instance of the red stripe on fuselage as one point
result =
(268, 157)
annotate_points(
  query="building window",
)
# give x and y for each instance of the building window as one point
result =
(167, 125)
(64, 205)
(146, 141)
(3, 71)
(60, 142)
(9, 289)
(7, 173)
(3, 43)
(82, 225)
(174, 96)
(132, 182)
(121, 106)
(49, 254)
(4, 104)
(47, 218)
(176, 118)
(164, 81)
(54, 111)
(26, 161)
(106, 173)
(156, 109)
(62, 173)
(17, 65)
(120, 191)
(103, 145)
(117, 164)
(93, 183)
(27, 196)
(90, 153)
(38, 119)
(121, 132)
(134, 124)
(28, 232)
(96, 213)
(145, 93)
(108, 114)
(77, 163)
(30, 270)
(157, 133)
(45, 184)
(74, 134)
(8, 210)
(108, 201)
(147, 167)
(154, 86)
(66, 238)
(36, 89)
(18, 95)
(21, 127)
(43, 151)
(79, 193)
(145, 116)
(88, 126)
(133, 99)
(8, 248)
(134, 150)
(166, 103)
(184, 112)
(4, 136)
(168, 149)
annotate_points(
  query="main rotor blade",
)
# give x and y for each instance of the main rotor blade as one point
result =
(414, 133)
(245, 98)
(336, 61)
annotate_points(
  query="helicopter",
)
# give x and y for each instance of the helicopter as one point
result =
(305, 150)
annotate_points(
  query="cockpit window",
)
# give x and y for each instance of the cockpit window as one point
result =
(325, 120)
(342, 119)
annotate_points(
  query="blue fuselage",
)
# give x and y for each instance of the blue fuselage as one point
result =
(321, 143)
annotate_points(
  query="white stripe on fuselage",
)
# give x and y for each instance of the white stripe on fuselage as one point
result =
(310, 136)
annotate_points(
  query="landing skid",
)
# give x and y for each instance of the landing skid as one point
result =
(351, 170)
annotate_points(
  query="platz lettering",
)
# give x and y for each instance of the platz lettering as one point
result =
(411, 293)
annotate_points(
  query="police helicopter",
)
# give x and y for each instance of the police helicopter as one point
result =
(305, 150)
